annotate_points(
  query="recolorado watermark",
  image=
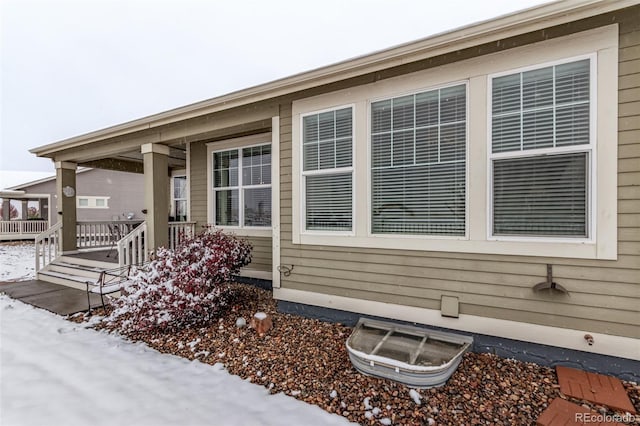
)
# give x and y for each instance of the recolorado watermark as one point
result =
(604, 418)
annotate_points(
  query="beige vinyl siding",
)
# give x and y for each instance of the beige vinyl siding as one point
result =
(261, 254)
(261, 257)
(198, 184)
(604, 295)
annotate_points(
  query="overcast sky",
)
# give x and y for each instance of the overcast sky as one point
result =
(74, 66)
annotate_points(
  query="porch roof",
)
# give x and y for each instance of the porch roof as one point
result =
(514, 24)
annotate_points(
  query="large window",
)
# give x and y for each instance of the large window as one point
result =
(541, 151)
(514, 153)
(418, 163)
(242, 177)
(327, 172)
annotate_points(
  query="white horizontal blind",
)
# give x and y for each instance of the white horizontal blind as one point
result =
(543, 195)
(541, 151)
(418, 145)
(542, 108)
(327, 144)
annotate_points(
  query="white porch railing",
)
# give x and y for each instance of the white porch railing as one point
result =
(180, 230)
(97, 234)
(48, 246)
(22, 227)
(132, 249)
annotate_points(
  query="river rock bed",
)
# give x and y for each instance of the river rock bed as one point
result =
(307, 359)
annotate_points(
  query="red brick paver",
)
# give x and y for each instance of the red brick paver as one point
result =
(597, 388)
(565, 413)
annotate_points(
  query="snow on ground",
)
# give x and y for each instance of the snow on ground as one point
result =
(17, 261)
(56, 372)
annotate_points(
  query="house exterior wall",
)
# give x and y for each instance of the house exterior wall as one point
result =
(260, 266)
(126, 192)
(604, 294)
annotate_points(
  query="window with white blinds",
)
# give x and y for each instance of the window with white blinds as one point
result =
(418, 163)
(541, 151)
(327, 172)
(242, 177)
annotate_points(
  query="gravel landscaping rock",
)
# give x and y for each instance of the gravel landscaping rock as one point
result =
(307, 360)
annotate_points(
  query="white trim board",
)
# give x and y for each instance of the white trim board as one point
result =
(275, 201)
(604, 344)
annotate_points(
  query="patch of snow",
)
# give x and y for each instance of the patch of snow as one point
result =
(376, 410)
(367, 404)
(368, 415)
(260, 316)
(83, 377)
(415, 395)
(241, 322)
(17, 261)
(333, 394)
(386, 421)
(193, 344)
(295, 393)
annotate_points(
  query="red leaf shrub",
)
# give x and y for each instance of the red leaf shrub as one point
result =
(184, 287)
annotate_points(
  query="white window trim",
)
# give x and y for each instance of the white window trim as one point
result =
(91, 200)
(302, 174)
(370, 233)
(230, 144)
(590, 149)
(601, 42)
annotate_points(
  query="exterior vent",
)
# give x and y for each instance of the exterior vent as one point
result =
(410, 355)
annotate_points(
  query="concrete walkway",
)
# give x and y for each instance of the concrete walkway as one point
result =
(59, 299)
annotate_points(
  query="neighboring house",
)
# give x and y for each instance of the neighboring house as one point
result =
(436, 182)
(101, 195)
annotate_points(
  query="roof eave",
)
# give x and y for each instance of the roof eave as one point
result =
(513, 24)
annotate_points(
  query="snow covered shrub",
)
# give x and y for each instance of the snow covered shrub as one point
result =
(184, 287)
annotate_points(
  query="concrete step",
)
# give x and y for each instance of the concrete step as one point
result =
(87, 262)
(74, 281)
(73, 269)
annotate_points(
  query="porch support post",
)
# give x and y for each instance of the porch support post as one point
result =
(6, 208)
(156, 194)
(66, 202)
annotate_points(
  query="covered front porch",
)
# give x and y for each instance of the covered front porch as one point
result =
(174, 154)
(23, 216)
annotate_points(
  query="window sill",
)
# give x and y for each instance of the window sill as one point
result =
(247, 232)
(573, 249)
